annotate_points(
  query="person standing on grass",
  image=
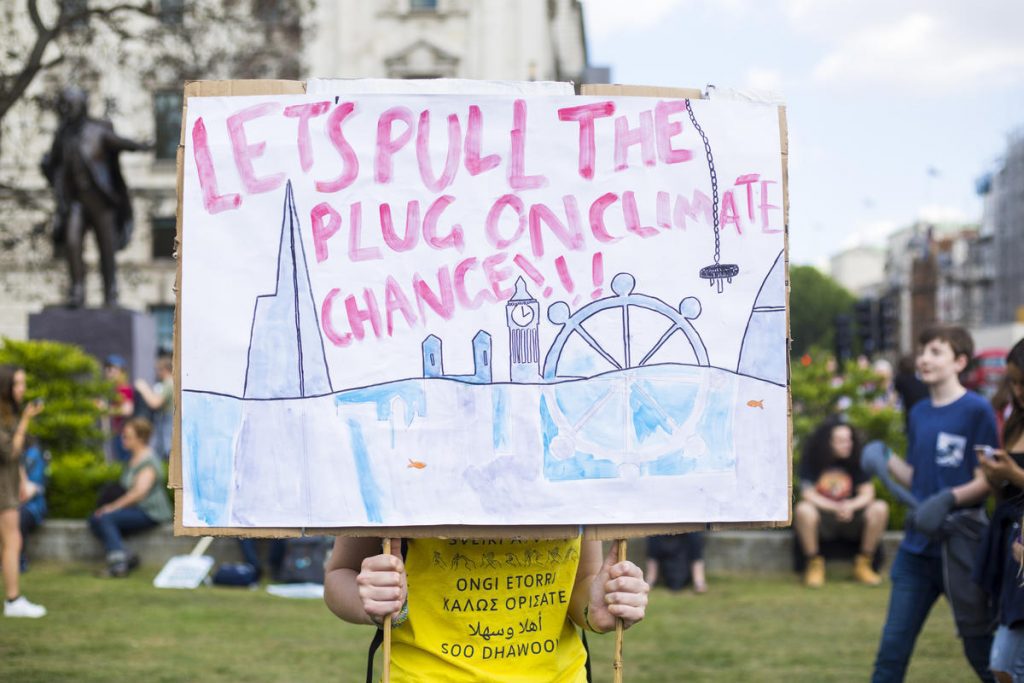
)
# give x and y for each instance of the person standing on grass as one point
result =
(942, 472)
(142, 506)
(497, 610)
(997, 571)
(837, 501)
(14, 422)
(114, 370)
(159, 398)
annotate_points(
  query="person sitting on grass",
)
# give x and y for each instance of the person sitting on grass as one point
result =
(497, 610)
(143, 504)
(837, 501)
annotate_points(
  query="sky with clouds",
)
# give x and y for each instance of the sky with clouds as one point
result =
(895, 109)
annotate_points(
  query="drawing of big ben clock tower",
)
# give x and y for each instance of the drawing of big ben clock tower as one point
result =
(522, 315)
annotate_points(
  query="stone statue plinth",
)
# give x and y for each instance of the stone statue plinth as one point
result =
(101, 332)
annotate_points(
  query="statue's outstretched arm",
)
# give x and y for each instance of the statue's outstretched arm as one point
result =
(121, 144)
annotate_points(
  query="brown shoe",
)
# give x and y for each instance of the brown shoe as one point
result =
(863, 573)
(814, 575)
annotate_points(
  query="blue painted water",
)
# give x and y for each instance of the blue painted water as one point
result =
(208, 449)
(655, 421)
(411, 392)
(500, 418)
(367, 483)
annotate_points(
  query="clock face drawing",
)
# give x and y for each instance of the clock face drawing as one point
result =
(522, 315)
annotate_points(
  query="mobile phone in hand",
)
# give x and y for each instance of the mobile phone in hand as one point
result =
(985, 452)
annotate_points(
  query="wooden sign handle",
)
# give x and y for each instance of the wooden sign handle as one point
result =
(386, 678)
(619, 628)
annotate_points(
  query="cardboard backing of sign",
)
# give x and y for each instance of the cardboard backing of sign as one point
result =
(592, 532)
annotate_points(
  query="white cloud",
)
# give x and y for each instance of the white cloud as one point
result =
(874, 233)
(759, 78)
(942, 214)
(870, 233)
(605, 17)
(932, 47)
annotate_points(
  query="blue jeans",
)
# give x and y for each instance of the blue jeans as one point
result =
(916, 585)
(109, 527)
(1008, 652)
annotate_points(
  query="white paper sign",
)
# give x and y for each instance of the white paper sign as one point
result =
(482, 309)
(184, 571)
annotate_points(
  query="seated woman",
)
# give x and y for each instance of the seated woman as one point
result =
(837, 501)
(143, 505)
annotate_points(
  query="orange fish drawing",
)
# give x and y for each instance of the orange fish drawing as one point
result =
(417, 464)
(756, 404)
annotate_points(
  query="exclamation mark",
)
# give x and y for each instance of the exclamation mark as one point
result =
(563, 274)
(531, 272)
(597, 270)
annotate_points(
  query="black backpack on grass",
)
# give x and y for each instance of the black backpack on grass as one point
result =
(304, 559)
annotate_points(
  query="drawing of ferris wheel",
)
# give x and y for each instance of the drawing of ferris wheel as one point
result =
(638, 419)
(624, 298)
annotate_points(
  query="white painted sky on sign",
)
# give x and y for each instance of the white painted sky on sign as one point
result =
(895, 108)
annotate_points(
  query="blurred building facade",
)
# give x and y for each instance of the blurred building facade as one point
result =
(520, 40)
(958, 273)
(970, 275)
(860, 270)
(938, 272)
(137, 84)
(133, 62)
(1002, 229)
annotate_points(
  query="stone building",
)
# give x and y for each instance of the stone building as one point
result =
(137, 85)
(133, 65)
(936, 273)
(1003, 228)
(522, 40)
(861, 270)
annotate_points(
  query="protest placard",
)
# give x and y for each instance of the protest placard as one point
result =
(426, 312)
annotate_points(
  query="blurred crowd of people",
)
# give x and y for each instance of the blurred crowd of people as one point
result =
(962, 449)
(964, 457)
(138, 424)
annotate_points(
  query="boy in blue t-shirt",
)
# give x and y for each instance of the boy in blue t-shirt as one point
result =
(942, 472)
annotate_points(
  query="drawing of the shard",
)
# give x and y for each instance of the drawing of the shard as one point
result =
(286, 361)
(286, 351)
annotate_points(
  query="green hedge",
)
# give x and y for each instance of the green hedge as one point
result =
(71, 384)
(75, 479)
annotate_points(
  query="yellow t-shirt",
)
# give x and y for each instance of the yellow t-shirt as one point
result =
(489, 610)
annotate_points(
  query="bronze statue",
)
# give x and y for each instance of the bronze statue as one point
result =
(85, 173)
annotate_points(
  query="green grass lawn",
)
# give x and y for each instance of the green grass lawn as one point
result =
(744, 629)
